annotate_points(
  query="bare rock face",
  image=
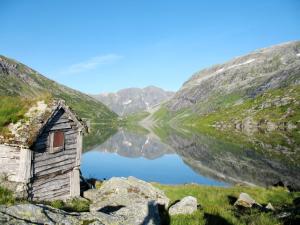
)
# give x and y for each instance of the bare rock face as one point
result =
(136, 201)
(187, 205)
(133, 100)
(245, 76)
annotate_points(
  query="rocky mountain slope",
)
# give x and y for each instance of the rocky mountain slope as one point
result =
(132, 100)
(242, 77)
(16, 79)
(258, 91)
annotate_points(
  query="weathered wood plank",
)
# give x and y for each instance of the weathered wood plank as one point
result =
(54, 161)
(65, 167)
(42, 181)
(57, 185)
(59, 163)
(46, 155)
(57, 195)
(52, 194)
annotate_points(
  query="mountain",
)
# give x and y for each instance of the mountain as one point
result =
(245, 76)
(16, 79)
(132, 100)
(260, 89)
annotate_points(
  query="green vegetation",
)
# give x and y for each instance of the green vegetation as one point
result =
(272, 106)
(12, 109)
(73, 205)
(279, 106)
(131, 122)
(6, 197)
(216, 204)
(32, 85)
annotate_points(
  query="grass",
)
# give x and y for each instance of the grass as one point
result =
(216, 204)
(6, 197)
(13, 109)
(73, 205)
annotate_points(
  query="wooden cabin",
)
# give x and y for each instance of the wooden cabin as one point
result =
(41, 158)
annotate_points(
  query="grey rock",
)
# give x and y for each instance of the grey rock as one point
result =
(42, 214)
(132, 199)
(245, 200)
(187, 205)
(132, 100)
(270, 207)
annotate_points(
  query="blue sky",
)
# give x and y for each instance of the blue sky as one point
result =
(103, 46)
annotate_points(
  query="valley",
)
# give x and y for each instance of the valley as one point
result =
(231, 125)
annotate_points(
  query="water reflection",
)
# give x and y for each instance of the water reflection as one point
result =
(233, 163)
(133, 145)
(182, 158)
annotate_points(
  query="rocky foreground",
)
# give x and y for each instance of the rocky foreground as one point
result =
(117, 201)
(136, 202)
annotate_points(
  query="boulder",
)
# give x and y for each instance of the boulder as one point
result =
(41, 214)
(136, 201)
(270, 207)
(187, 205)
(245, 200)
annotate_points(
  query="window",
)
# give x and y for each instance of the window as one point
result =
(57, 141)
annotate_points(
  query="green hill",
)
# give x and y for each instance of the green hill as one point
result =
(16, 79)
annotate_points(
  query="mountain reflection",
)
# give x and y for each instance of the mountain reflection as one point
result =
(132, 145)
(232, 163)
(207, 156)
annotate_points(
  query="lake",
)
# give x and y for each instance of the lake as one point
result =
(186, 158)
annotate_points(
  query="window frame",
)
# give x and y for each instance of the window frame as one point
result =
(53, 149)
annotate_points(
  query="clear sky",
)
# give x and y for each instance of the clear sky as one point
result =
(103, 46)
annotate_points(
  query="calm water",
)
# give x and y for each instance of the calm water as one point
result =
(168, 169)
(184, 159)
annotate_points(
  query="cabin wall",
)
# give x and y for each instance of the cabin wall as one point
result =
(9, 162)
(52, 172)
(15, 168)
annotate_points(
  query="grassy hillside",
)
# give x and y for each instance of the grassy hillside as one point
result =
(216, 205)
(17, 79)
